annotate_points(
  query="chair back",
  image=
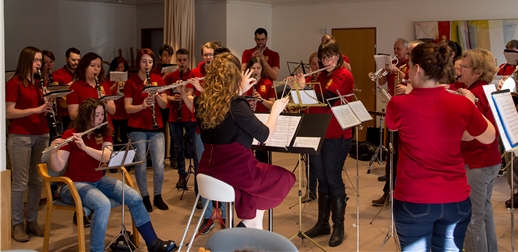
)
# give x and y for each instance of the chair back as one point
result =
(249, 239)
(215, 189)
(45, 159)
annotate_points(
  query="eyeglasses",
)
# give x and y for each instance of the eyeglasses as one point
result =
(327, 58)
(208, 55)
(37, 60)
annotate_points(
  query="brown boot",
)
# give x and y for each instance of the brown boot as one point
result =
(34, 228)
(19, 233)
(182, 181)
(382, 200)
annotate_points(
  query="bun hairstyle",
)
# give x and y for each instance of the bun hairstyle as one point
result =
(435, 60)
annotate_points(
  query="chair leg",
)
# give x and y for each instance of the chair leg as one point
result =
(189, 221)
(198, 224)
(80, 231)
(46, 236)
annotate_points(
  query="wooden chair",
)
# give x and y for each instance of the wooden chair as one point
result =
(78, 207)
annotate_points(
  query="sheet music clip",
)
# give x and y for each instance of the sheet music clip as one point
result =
(127, 155)
(58, 93)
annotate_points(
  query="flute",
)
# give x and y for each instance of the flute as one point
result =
(177, 85)
(70, 139)
(458, 93)
(318, 71)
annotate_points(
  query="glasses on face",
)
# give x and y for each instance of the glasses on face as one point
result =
(208, 55)
(327, 58)
(37, 60)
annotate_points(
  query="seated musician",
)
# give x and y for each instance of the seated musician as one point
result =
(95, 189)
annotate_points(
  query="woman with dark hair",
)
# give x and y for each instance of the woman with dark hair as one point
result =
(88, 75)
(140, 126)
(482, 160)
(228, 127)
(336, 80)
(263, 89)
(82, 157)
(432, 208)
(28, 136)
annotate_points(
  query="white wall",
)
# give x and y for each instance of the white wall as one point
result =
(211, 25)
(57, 25)
(296, 28)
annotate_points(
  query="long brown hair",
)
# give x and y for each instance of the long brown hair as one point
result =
(24, 67)
(256, 59)
(222, 81)
(85, 117)
(435, 60)
(328, 48)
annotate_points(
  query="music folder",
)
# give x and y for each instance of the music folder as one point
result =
(168, 68)
(350, 114)
(505, 115)
(511, 56)
(58, 93)
(110, 97)
(118, 76)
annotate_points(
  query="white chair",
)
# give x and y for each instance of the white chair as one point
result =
(211, 189)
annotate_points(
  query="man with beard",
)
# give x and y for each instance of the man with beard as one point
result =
(269, 58)
(66, 75)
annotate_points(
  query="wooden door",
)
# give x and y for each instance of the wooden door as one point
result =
(359, 44)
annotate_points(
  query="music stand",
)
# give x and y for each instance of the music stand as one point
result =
(123, 157)
(298, 67)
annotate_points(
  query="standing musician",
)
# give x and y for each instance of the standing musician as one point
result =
(227, 128)
(95, 189)
(508, 69)
(337, 80)
(180, 117)
(48, 65)
(28, 136)
(89, 83)
(142, 125)
(65, 76)
(120, 117)
(271, 60)
(431, 200)
(399, 70)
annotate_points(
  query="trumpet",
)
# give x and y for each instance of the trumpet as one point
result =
(152, 95)
(70, 139)
(382, 72)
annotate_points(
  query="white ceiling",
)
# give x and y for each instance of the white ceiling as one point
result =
(272, 2)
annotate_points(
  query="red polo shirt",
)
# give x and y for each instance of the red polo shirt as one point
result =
(185, 113)
(506, 69)
(26, 98)
(266, 90)
(272, 57)
(81, 166)
(340, 80)
(142, 119)
(430, 123)
(63, 76)
(475, 153)
(120, 111)
(391, 77)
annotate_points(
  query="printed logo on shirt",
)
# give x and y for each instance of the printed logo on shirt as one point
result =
(154, 84)
(102, 91)
(99, 139)
(266, 58)
(262, 89)
(329, 83)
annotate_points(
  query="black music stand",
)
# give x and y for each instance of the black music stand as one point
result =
(125, 156)
(298, 67)
(308, 139)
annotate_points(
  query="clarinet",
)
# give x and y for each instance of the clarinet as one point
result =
(52, 115)
(179, 116)
(254, 101)
(98, 87)
(151, 95)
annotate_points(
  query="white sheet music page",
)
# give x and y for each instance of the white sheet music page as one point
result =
(116, 159)
(508, 116)
(360, 111)
(284, 131)
(307, 142)
(345, 116)
(308, 96)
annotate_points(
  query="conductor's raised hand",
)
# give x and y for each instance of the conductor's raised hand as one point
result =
(247, 81)
(279, 105)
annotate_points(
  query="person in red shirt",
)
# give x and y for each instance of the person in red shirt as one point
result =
(346, 59)
(65, 76)
(399, 68)
(28, 136)
(81, 158)
(53, 121)
(507, 69)
(336, 80)
(120, 118)
(146, 124)
(432, 197)
(89, 83)
(271, 60)
(482, 159)
(165, 54)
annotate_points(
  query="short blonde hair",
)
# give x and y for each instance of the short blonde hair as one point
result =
(483, 61)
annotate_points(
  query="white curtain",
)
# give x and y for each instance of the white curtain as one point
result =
(179, 26)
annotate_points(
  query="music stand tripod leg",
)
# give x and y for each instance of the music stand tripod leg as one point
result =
(378, 154)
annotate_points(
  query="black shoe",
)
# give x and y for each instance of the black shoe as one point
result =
(173, 163)
(86, 222)
(159, 202)
(147, 204)
(182, 181)
(338, 217)
(199, 205)
(113, 170)
(206, 226)
(384, 199)
(163, 246)
(515, 201)
(241, 225)
(382, 178)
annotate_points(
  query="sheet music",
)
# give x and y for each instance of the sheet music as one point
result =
(116, 159)
(508, 115)
(308, 96)
(383, 61)
(110, 97)
(345, 116)
(511, 57)
(360, 111)
(118, 76)
(169, 69)
(307, 142)
(284, 131)
(509, 84)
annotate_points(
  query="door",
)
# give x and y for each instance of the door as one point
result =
(359, 44)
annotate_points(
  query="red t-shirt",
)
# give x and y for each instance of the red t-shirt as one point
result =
(391, 77)
(197, 72)
(83, 91)
(26, 98)
(185, 113)
(272, 57)
(120, 111)
(81, 166)
(133, 89)
(475, 153)
(266, 90)
(430, 123)
(340, 80)
(62, 76)
(506, 69)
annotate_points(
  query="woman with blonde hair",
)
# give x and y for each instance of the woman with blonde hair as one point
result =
(228, 127)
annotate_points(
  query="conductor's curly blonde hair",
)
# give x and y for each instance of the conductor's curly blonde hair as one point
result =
(222, 84)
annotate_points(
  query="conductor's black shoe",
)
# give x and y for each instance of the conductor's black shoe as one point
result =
(159, 202)
(382, 178)
(86, 222)
(163, 246)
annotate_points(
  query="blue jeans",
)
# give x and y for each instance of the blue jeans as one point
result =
(176, 129)
(481, 234)
(96, 196)
(198, 145)
(25, 155)
(441, 227)
(156, 151)
(328, 166)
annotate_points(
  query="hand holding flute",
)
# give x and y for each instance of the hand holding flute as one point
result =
(301, 78)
